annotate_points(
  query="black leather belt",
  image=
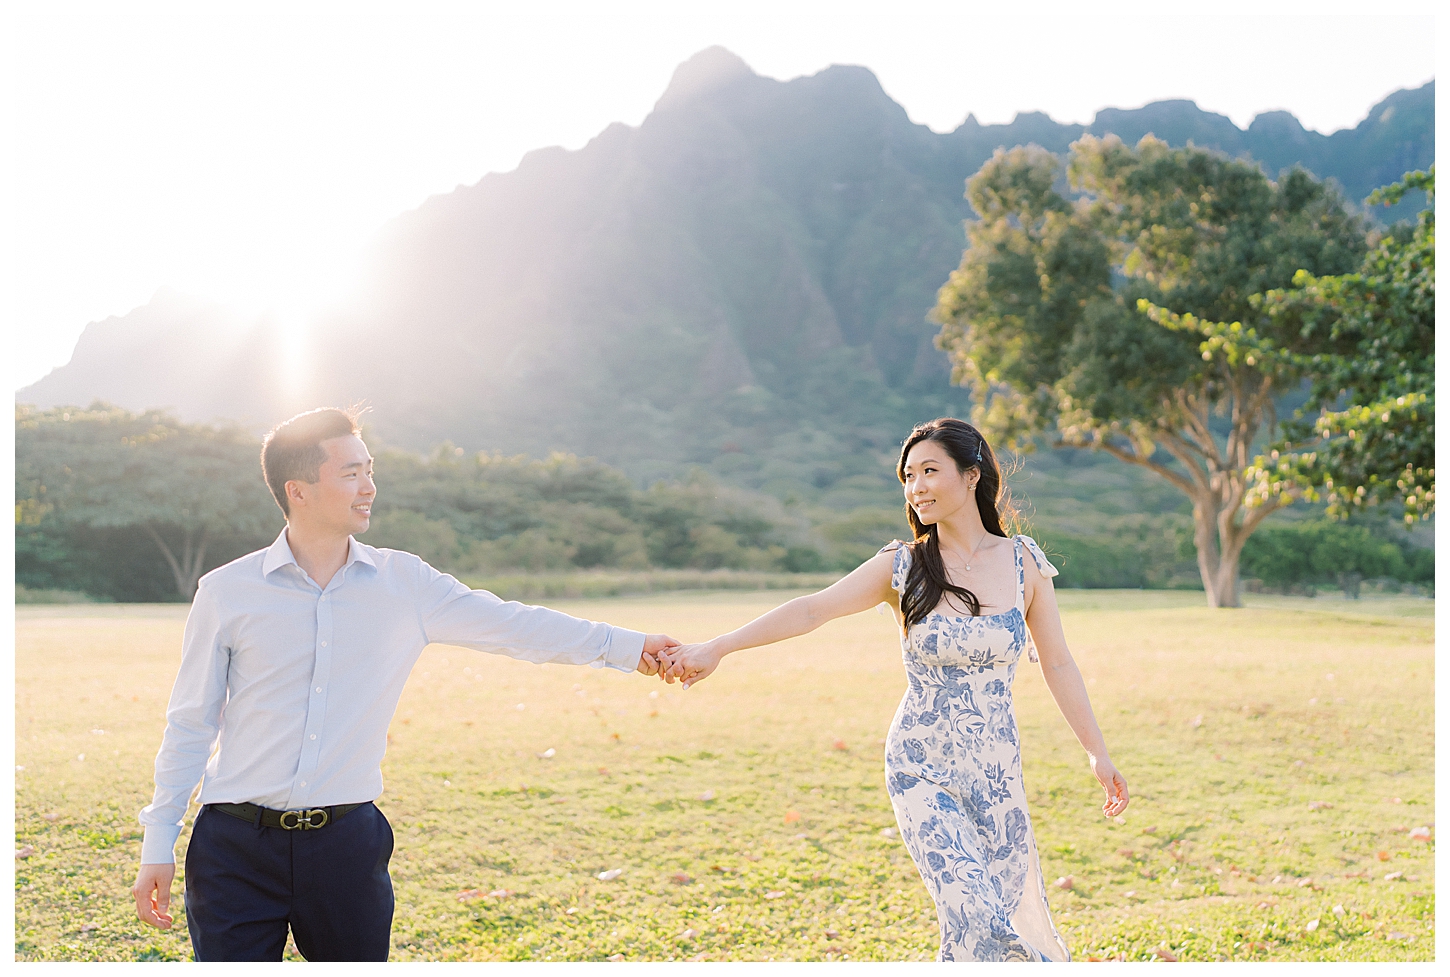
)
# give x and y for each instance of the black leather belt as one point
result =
(304, 819)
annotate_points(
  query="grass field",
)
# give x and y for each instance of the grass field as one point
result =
(1279, 757)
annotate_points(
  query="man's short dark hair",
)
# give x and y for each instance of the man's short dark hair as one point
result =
(293, 449)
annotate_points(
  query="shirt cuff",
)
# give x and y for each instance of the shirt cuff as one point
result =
(158, 844)
(623, 650)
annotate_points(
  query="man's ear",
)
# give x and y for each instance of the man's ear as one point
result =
(295, 493)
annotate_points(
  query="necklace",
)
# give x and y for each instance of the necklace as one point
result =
(972, 555)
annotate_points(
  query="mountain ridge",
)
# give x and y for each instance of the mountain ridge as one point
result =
(740, 283)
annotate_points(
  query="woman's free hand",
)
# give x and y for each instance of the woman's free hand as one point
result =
(692, 663)
(1114, 786)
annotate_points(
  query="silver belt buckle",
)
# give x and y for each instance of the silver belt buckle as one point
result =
(303, 820)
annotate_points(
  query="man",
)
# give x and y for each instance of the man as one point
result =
(293, 661)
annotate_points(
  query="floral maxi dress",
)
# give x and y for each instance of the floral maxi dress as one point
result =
(954, 774)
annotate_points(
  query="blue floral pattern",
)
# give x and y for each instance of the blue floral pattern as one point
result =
(954, 774)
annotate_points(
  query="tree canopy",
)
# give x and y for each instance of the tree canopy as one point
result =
(1074, 312)
(1367, 434)
(185, 487)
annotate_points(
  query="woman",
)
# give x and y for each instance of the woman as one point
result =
(966, 597)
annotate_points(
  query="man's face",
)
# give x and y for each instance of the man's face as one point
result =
(341, 500)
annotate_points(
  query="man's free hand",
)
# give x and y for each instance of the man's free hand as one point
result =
(655, 646)
(153, 894)
(692, 663)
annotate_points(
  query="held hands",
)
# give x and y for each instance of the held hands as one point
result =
(666, 657)
(691, 663)
(1113, 783)
(653, 654)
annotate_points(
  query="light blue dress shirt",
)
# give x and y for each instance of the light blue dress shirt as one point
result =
(286, 690)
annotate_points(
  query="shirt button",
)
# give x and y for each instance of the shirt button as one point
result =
(314, 736)
(324, 644)
(303, 784)
(318, 689)
(323, 597)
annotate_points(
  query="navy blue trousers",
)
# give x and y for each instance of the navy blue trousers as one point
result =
(246, 884)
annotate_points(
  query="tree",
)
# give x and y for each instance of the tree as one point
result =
(183, 486)
(1044, 323)
(1367, 434)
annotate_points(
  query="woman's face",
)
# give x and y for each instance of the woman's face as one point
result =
(935, 488)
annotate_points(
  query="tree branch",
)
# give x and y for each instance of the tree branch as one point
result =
(1200, 438)
(1185, 452)
(1132, 457)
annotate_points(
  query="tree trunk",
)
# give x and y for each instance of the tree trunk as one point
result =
(1218, 565)
(187, 571)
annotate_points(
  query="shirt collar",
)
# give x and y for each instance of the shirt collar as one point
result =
(279, 554)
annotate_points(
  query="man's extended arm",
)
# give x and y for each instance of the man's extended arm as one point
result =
(454, 614)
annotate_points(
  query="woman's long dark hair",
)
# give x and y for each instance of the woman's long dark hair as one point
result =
(926, 579)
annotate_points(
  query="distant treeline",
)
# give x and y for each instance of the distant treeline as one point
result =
(134, 507)
(1289, 557)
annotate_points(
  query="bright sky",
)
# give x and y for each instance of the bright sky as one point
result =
(246, 151)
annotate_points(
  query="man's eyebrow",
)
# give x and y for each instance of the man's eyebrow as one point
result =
(355, 464)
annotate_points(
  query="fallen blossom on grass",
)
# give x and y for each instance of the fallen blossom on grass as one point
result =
(791, 817)
(774, 894)
(1320, 806)
(682, 878)
(1063, 882)
(25, 851)
(1165, 955)
(709, 795)
(839, 745)
(1420, 834)
(610, 875)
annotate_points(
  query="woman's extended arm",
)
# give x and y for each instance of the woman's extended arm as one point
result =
(1065, 683)
(861, 589)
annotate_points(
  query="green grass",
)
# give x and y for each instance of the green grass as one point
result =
(1265, 792)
